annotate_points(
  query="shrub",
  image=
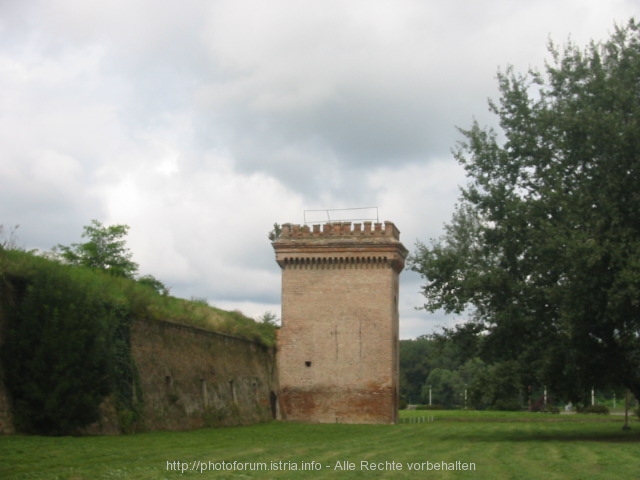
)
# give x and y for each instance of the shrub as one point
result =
(539, 406)
(153, 283)
(550, 409)
(429, 407)
(507, 405)
(598, 409)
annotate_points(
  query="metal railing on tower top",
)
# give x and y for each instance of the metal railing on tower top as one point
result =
(341, 215)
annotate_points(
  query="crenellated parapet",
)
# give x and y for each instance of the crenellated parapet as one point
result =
(340, 245)
(342, 229)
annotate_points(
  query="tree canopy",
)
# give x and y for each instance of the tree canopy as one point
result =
(544, 246)
(105, 250)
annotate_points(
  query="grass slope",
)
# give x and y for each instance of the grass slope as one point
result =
(20, 267)
(501, 445)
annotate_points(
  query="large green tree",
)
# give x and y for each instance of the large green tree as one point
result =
(105, 249)
(545, 243)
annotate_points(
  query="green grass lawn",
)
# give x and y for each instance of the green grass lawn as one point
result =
(501, 445)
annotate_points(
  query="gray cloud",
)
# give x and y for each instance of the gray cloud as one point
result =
(199, 124)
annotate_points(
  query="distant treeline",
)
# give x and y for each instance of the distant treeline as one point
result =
(454, 369)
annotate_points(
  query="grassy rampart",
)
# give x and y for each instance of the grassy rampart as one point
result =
(67, 345)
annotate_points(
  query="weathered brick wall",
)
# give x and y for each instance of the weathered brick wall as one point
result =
(192, 378)
(338, 345)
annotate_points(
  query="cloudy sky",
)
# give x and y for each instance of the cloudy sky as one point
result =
(201, 123)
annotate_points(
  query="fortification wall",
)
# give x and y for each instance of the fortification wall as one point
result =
(188, 378)
(193, 378)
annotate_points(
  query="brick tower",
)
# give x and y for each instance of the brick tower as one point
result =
(338, 345)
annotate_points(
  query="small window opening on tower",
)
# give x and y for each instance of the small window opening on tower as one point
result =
(308, 363)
